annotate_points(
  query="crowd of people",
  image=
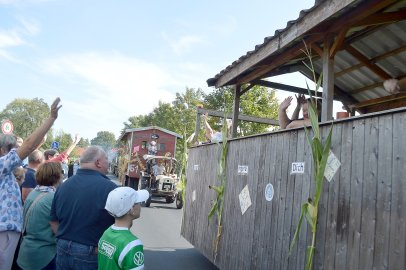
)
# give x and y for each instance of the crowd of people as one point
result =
(80, 223)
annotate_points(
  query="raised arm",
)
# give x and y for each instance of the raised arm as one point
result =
(73, 145)
(209, 130)
(283, 118)
(34, 140)
(300, 99)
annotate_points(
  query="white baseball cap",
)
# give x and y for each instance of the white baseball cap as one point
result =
(121, 200)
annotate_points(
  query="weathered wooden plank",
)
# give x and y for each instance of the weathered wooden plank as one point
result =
(287, 236)
(248, 219)
(398, 207)
(343, 211)
(297, 198)
(276, 202)
(318, 261)
(227, 242)
(384, 188)
(282, 202)
(307, 182)
(369, 193)
(356, 195)
(268, 220)
(207, 233)
(332, 207)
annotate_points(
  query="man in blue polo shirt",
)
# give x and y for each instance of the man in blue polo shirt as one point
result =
(34, 160)
(78, 217)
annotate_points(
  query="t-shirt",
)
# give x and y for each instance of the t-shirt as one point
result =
(78, 206)
(38, 247)
(120, 249)
(217, 137)
(30, 181)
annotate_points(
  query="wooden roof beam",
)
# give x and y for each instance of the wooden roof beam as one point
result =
(372, 60)
(363, 59)
(383, 18)
(242, 117)
(338, 41)
(371, 86)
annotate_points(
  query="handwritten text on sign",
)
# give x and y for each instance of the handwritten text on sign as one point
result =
(242, 170)
(298, 167)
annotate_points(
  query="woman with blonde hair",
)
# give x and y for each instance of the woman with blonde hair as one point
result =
(38, 239)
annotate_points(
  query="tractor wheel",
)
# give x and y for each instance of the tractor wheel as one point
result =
(179, 201)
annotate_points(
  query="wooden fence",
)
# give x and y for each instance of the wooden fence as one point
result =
(362, 211)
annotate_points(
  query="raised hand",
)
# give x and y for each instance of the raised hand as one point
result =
(55, 108)
(286, 103)
(300, 99)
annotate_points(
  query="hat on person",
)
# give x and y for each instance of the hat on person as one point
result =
(121, 200)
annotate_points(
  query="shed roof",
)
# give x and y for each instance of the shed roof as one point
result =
(129, 130)
(369, 47)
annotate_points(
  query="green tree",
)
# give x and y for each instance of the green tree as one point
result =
(84, 142)
(26, 115)
(64, 139)
(105, 139)
(258, 101)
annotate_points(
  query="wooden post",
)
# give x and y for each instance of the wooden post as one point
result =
(236, 109)
(197, 127)
(328, 81)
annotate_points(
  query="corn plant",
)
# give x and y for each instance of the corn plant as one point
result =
(181, 186)
(320, 153)
(220, 189)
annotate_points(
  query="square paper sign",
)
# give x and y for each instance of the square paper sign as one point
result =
(245, 200)
(332, 166)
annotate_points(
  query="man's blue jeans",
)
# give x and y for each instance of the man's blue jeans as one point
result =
(72, 255)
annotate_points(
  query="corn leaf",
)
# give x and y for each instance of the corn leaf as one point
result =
(299, 225)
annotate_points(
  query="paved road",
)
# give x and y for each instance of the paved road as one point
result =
(164, 248)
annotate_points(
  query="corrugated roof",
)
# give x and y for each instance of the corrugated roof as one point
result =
(384, 45)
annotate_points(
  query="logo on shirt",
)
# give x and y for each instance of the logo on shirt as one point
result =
(107, 249)
(139, 258)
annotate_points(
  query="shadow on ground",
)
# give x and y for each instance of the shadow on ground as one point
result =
(176, 259)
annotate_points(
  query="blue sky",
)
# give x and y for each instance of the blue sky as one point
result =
(109, 60)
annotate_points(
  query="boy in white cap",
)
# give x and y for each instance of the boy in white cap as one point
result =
(118, 247)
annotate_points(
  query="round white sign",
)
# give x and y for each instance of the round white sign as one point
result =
(269, 192)
(7, 127)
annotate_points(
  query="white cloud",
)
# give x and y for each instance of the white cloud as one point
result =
(109, 88)
(183, 44)
(16, 37)
(29, 27)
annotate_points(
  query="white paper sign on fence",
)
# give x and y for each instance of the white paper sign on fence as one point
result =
(194, 195)
(332, 166)
(196, 167)
(297, 167)
(245, 199)
(242, 170)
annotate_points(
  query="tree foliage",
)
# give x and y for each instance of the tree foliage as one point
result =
(26, 115)
(105, 139)
(258, 101)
